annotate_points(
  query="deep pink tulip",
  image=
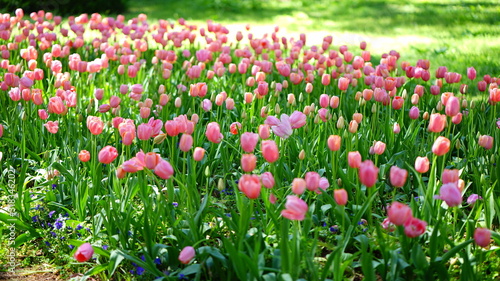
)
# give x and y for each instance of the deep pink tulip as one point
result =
(164, 170)
(187, 254)
(450, 193)
(84, 252)
(422, 164)
(340, 196)
(249, 141)
(441, 146)
(250, 185)
(368, 173)
(107, 154)
(399, 213)
(414, 227)
(334, 142)
(486, 141)
(267, 180)
(398, 176)
(482, 237)
(213, 132)
(264, 132)
(186, 142)
(127, 132)
(295, 208)
(354, 159)
(343, 83)
(471, 73)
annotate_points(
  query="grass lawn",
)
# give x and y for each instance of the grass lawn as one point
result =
(454, 33)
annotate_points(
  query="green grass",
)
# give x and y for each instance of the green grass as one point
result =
(454, 33)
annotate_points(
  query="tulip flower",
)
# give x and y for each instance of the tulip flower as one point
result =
(398, 176)
(399, 213)
(267, 180)
(269, 151)
(482, 237)
(213, 133)
(340, 196)
(414, 227)
(84, 156)
(107, 154)
(84, 252)
(295, 208)
(187, 254)
(450, 194)
(441, 146)
(368, 173)
(164, 170)
(250, 185)
(422, 164)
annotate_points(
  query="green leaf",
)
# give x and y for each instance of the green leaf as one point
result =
(114, 260)
(96, 270)
(191, 269)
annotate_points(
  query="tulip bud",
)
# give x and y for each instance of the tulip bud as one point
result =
(159, 138)
(302, 155)
(374, 108)
(340, 123)
(221, 184)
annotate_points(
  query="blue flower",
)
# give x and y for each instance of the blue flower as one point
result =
(157, 261)
(78, 227)
(140, 270)
(51, 213)
(58, 224)
(35, 218)
(105, 247)
(47, 243)
(53, 234)
(71, 247)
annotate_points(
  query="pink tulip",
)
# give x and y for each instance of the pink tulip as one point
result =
(84, 156)
(399, 213)
(164, 170)
(133, 165)
(379, 147)
(297, 119)
(398, 176)
(248, 162)
(396, 128)
(414, 112)
(340, 196)
(471, 73)
(151, 160)
(441, 146)
(186, 142)
(250, 185)
(298, 186)
(452, 107)
(482, 237)
(450, 193)
(281, 128)
(422, 164)
(295, 208)
(213, 132)
(414, 227)
(354, 159)
(127, 132)
(312, 180)
(42, 113)
(235, 128)
(267, 180)
(334, 142)
(471, 200)
(343, 83)
(264, 132)
(486, 141)
(56, 105)
(198, 154)
(84, 252)
(450, 175)
(187, 254)
(269, 151)
(249, 141)
(95, 125)
(107, 154)
(52, 126)
(144, 131)
(368, 173)
(437, 122)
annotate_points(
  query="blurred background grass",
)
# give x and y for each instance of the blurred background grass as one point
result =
(454, 33)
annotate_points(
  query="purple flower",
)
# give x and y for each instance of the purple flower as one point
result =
(51, 213)
(473, 198)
